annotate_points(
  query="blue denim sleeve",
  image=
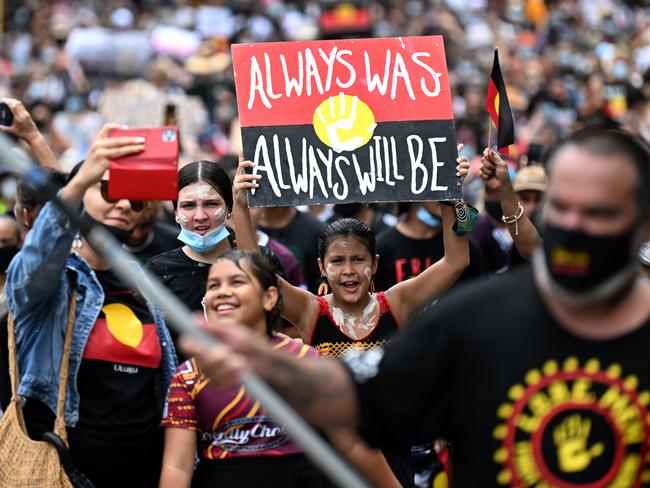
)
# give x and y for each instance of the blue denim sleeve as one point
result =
(35, 270)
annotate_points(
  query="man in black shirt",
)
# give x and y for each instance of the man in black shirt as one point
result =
(540, 378)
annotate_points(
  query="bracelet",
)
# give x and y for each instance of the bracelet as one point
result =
(513, 219)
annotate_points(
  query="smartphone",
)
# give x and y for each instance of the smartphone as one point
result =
(6, 116)
(151, 174)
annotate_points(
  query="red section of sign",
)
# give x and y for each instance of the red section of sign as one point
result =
(282, 83)
(102, 345)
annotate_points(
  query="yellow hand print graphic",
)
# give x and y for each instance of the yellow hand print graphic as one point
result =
(344, 123)
(570, 439)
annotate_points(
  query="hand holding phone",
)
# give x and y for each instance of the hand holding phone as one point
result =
(151, 174)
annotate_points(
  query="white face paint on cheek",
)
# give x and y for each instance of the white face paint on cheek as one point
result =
(220, 216)
(331, 274)
(368, 273)
(182, 220)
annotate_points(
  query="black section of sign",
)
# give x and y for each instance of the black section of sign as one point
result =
(403, 161)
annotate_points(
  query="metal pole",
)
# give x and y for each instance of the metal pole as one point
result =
(180, 318)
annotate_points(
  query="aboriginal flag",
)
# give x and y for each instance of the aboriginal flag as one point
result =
(499, 108)
(351, 120)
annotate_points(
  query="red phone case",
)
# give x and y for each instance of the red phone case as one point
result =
(151, 174)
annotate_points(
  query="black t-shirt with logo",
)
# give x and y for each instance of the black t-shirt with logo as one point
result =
(118, 383)
(524, 402)
(402, 257)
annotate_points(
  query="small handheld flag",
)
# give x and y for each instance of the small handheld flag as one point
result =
(499, 108)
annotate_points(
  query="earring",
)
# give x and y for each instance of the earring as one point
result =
(323, 288)
(372, 286)
(77, 242)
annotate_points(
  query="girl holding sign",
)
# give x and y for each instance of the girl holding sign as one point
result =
(353, 315)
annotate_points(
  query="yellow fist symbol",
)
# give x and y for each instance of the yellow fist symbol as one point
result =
(571, 440)
(344, 123)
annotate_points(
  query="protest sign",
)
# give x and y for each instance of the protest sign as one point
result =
(366, 120)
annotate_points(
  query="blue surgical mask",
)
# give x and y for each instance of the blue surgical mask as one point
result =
(427, 219)
(203, 243)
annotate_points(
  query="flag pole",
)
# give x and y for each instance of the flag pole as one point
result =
(489, 141)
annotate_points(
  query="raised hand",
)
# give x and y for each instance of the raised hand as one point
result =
(462, 166)
(494, 171)
(244, 181)
(102, 151)
(23, 125)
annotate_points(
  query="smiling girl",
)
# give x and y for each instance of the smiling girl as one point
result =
(238, 444)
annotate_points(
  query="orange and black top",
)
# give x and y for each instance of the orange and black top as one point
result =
(331, 341)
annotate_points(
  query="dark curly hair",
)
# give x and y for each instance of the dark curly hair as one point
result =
(263, 272)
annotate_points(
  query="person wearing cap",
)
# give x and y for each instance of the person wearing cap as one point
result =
(530, 185)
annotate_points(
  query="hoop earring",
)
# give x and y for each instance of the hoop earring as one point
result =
(372, 286)
(323, 288)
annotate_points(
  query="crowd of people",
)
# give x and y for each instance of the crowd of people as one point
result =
(508, 355)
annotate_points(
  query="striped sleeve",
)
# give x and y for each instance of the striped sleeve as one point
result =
(180, 411)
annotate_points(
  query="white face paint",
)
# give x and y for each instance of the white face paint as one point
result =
(368, 273)
(355, 326)
(200, 208)
(329, 270)
(198, 191)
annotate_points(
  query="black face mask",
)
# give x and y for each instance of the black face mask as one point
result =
(6, 255)
(493, 209)
(122, 235)
(580, 262)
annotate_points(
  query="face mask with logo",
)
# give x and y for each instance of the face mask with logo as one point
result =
(427, 219)
(582, 267)
(203, 243)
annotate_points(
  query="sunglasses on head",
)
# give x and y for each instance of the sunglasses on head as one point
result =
(136, 205)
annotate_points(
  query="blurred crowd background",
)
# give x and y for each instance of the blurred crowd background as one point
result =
(76, 64)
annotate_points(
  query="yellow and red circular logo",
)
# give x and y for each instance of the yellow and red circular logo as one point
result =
(570, 425)
(344, 122)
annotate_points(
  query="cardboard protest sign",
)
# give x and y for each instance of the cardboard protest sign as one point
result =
(366, 120)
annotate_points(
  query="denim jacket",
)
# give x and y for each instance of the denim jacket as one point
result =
(40, 279)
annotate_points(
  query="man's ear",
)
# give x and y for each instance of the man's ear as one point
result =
(270, 298)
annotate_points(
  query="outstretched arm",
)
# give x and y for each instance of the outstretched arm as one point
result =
(410, 295)
(320, 389)
(300, 307)
(494, 173)
(246, 238)
(25, 128)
